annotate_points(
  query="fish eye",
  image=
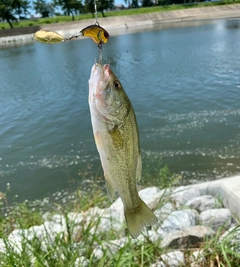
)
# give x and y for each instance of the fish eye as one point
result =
(117, 84)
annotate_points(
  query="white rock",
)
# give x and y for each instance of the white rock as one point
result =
(179, 220)
(58, 219)
(114, 245)
(197, 258)
(47, 232)
(151, 196)
(94, 212)
(82, 261)
(117, 205)
(162, 213)
(183, 194)
(109, 220)
(148, 192)
(16, 238)
(190, 237)
(173, 259)
(47, 216)
(159, 264)
(154, 237)
(109, 248)
(98, 253)
(76, 221)
(216, 218)
(2, 246)
(203, 203)
(37, 231)
(75, 217)
(231, 238)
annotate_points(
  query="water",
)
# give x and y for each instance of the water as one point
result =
(184, 85)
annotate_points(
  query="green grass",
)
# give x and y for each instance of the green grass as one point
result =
(66, 248)
(126, 12)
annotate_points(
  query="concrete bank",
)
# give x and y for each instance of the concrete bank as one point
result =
(133, 23)
(227, 189)
(129, 24)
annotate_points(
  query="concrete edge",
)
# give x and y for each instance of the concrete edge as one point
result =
(226, 189)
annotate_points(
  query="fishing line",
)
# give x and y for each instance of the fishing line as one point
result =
(95, 12)
(97, 23)
(71, 38)
(98, 34)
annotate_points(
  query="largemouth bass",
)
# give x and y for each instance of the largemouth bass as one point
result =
(117, 140)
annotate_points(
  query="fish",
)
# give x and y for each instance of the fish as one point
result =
(117, 140)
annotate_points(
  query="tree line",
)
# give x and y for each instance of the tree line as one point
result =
(14, 10)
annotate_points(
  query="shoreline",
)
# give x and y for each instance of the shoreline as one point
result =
(135, 23)
(189, 220)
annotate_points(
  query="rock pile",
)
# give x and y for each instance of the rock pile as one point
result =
(186, 218)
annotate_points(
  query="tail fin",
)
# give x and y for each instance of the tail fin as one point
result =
(138, 218)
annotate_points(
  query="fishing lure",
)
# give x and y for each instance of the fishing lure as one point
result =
(98, 34)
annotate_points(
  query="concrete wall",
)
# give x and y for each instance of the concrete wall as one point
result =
(19, 31)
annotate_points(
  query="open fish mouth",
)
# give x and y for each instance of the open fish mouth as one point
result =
(101, 71)
(97, 71)
(107, 70)
(98, 82)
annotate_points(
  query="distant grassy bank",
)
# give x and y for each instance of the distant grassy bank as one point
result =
(125, 12)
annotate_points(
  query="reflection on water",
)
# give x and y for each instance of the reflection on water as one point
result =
(183, 83)
(232, 24)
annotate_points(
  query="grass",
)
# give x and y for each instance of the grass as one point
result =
(125, 12)
(76, 245)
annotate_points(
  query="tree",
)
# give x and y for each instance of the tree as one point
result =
(6, 13)
(133, 3)
(146, 3)
(21, 8)
(89, 6)
(43, 8)
(104, 4)
(70, 7)
(10, 8)
(101, 6)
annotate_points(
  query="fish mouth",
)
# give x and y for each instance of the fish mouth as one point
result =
(103, 71)
(99, 80)
(107, 70)
(97, 71)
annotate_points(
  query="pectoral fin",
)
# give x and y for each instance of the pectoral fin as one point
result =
(110, 189)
